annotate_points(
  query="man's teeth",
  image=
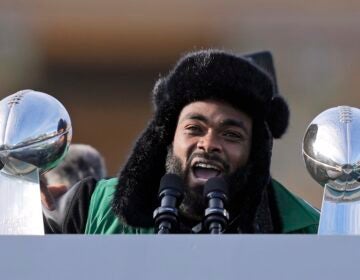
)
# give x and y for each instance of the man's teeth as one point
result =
(205, 171)
(206, 165)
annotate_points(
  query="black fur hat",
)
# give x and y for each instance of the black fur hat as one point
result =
(202, 75)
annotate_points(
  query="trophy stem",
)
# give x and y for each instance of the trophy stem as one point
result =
(20, 204)
(340, 212)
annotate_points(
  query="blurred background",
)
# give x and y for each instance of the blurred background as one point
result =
(101, 59)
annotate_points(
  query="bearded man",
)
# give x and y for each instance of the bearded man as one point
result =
(216, 114)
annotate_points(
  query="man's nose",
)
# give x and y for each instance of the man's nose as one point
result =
(209, 143)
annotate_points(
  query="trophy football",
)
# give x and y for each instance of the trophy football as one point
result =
(35, 133)
(331, 150)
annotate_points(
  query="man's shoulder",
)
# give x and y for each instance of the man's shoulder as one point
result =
(102, 219)
(297, 215)
(106, 186)
(104, 192)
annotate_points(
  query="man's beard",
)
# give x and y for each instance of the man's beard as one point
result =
(193, 205)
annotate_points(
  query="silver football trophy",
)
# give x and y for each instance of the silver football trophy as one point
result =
(35, 132)
(331, 150)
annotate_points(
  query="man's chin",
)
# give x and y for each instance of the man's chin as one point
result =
(192, 206)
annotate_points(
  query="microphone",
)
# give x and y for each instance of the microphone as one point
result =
(171, 192)
(216, 195)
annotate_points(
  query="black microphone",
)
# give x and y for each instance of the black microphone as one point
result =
(216, 195)
(171, 193)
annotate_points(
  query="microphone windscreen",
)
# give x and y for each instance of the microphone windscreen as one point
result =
(173, 182)
(216, 184)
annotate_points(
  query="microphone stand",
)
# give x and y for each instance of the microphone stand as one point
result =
(170, 194)
(166, 219)
(216, 216)
(216, 195)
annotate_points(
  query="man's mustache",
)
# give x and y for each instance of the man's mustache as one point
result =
(209, 157)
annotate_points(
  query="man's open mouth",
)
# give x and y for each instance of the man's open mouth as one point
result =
(206, 170)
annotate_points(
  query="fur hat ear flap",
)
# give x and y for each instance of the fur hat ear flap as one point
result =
(278, 116)
(136, 194)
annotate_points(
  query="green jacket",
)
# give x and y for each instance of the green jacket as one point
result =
(296, 215)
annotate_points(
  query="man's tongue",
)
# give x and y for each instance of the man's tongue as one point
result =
(205, 173)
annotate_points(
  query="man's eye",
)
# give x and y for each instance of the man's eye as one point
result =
(193, 129)
(232, 135)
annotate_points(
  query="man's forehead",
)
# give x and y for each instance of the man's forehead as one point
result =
(212, 109)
